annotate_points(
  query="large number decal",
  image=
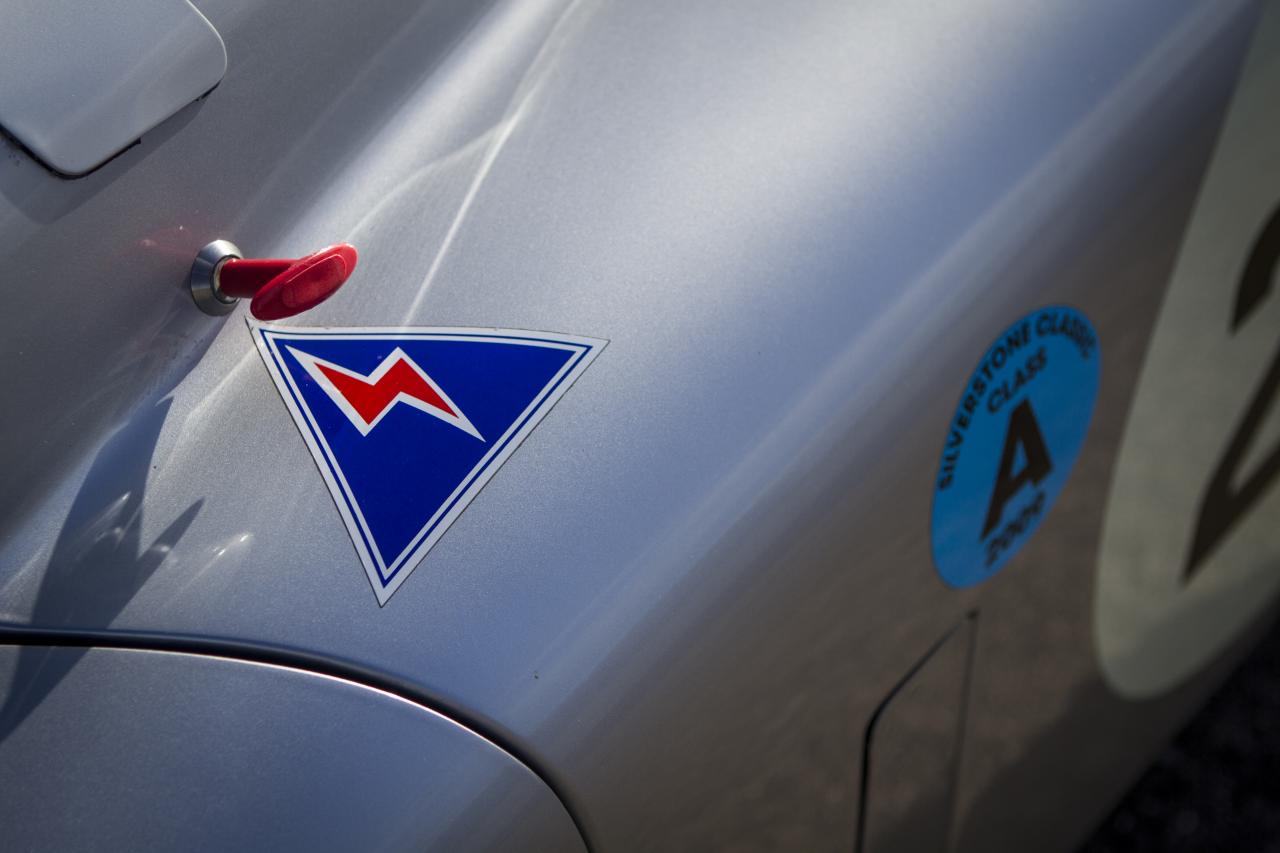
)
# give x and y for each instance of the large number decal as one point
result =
(1224, 502)
(1190, 548)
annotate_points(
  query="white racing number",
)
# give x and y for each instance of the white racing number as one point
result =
(1190, 551)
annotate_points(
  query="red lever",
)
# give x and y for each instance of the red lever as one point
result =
(280, 287)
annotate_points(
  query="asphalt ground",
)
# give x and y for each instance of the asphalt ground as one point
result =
(1217, 786)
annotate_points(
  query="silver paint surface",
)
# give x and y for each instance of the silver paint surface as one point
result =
(84, 80)
(912, 752)
(799, 225)
(110, 749)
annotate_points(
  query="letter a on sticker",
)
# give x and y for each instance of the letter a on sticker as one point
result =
(407, 425)
(1023, 434)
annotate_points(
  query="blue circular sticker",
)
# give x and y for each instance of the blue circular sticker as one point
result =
(1012, 442)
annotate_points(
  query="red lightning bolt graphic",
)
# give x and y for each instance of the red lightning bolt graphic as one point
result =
(365, 400)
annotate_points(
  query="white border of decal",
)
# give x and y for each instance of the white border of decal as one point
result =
(386, 577)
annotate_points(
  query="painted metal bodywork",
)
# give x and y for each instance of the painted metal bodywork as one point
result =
(164, 751)
(683, 600)
(84, 82)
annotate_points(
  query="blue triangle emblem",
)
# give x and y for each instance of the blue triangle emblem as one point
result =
(407, 425)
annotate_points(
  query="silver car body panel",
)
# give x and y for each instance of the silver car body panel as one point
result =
(684, 597)
(187, 752)
(83, 81)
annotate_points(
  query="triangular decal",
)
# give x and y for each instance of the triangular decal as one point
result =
(407, 425)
